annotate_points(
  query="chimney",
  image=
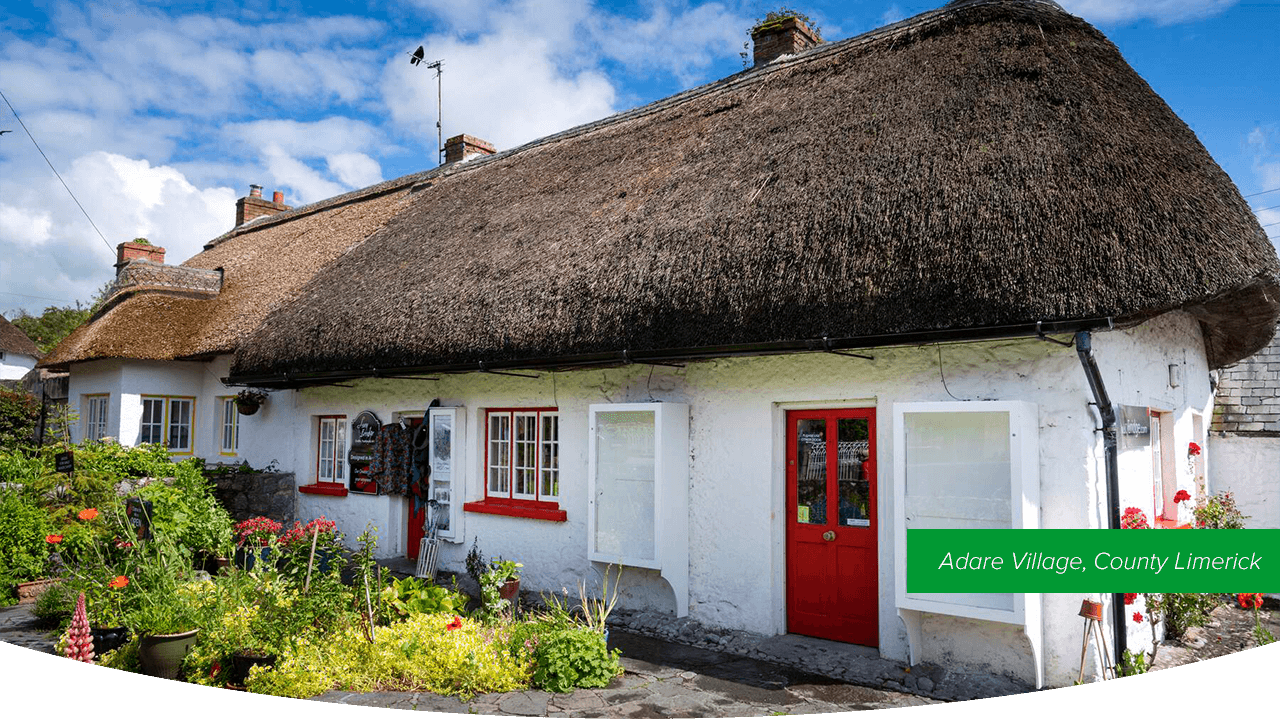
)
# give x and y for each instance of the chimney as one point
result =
(253, 206)
(136, 249)
(464, 147)
(780, 36)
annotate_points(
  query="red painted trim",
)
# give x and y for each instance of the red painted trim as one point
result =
(549, 511)
(332, 489)
(511, 458)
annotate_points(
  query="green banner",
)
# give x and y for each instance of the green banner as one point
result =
(1093, 560)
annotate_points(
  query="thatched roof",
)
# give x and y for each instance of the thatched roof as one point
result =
(15, 340)
(264, 264)
(988, 164)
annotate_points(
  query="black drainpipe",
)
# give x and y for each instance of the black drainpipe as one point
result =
(1109, 442)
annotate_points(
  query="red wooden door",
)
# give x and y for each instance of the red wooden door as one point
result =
(418, 518)
(832, 561)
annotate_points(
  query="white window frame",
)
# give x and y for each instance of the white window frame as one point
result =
(229, 427)
(97, 407)
(337, 449)
(166, 424)
(502, 476)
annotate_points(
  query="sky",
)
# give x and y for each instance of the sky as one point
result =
(158, 116)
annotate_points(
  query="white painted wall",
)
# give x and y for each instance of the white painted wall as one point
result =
(15, 365)
(737, 435)
(1249, 468)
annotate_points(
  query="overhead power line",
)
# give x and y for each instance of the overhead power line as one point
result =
(1264, 209)
(1264, 192)
(55, 172)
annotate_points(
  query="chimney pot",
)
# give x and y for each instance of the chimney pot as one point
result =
(254, 206)
(783, 36)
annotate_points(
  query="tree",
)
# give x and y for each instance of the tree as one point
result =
(55, 323)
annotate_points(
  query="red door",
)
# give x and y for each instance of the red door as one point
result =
(832, 564)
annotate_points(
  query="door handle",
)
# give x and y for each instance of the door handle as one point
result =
(829, 535)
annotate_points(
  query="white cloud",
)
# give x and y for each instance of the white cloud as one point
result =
(892, 15)
(306, 182)
(1164, 12)
(24, 227)
(355, 169)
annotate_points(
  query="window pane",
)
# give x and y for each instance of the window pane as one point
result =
(152, 421)
(549, 458)
(325, 463)
(811, 471)
(340, 449)
(625, 522)
(526, 448)
(180, 424)
(853, 452)
(499, 454)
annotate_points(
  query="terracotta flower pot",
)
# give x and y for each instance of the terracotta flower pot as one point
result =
(509, 590)
(1091, 610)
(30, 591)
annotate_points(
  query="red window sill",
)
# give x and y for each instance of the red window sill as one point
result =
(332, 489)
(549, 511)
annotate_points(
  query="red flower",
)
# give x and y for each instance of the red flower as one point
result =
(1128, 598)
(88, 515)
(1249, 601)
(1137, 617)
(121, 544)
(455, 624)
(1193, 449)
(213, 672)
(1134, 518)
(53, 538)
(119, 582)
(1181, 496)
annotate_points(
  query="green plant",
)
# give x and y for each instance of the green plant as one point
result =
(569, 658)
(500, 571)
(19, 413)
(54, 606)
(596, 610)
(1180, 612)
(414, 596)
(785, 13)
(1220, 512)
(1132, 664)
(24, 551)
(475, 561)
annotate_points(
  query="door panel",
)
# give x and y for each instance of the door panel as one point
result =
(832, 562)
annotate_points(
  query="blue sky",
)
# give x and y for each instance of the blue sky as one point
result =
(159, 115)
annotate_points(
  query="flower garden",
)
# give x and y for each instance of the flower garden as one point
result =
(136, 548)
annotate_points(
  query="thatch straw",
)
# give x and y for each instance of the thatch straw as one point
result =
(15, 340)
(985, 164)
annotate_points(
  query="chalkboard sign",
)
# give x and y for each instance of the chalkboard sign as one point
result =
(138, 512)
(364, 433)
(64, 462)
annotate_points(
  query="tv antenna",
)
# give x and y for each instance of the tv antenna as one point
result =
(416, 58)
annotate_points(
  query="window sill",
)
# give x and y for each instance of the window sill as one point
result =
(548, 511)
(332, 489)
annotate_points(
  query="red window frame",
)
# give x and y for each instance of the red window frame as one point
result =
(510, 505)
(335, 489)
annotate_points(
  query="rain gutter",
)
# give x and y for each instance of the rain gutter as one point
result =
(1107, 410)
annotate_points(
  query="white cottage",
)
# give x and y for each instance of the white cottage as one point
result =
(18, 354)
(740, 339)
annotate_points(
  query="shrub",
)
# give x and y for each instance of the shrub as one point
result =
(1220, 512)
(438, 653)
(24, 552)
(565, 659)
(54, 606)
(1180, 612)
(19, 413)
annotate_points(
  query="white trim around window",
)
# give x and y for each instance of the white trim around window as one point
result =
(228, 427)
(96, 407)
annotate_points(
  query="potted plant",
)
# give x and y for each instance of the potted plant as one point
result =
(507, 575)
(249, 400)
(166, 632)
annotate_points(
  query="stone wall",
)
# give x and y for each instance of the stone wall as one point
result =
(258, 494)
(1248, 396)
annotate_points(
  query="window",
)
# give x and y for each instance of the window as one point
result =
(522, 464)
(331, 450)
(168, 421)
(95, 416)
(229, 428)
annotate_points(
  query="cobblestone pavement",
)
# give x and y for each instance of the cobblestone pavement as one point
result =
(18, 626)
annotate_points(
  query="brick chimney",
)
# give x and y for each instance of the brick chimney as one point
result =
(784, 36)
(133, 250)
(253, 206)
(464, 147)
